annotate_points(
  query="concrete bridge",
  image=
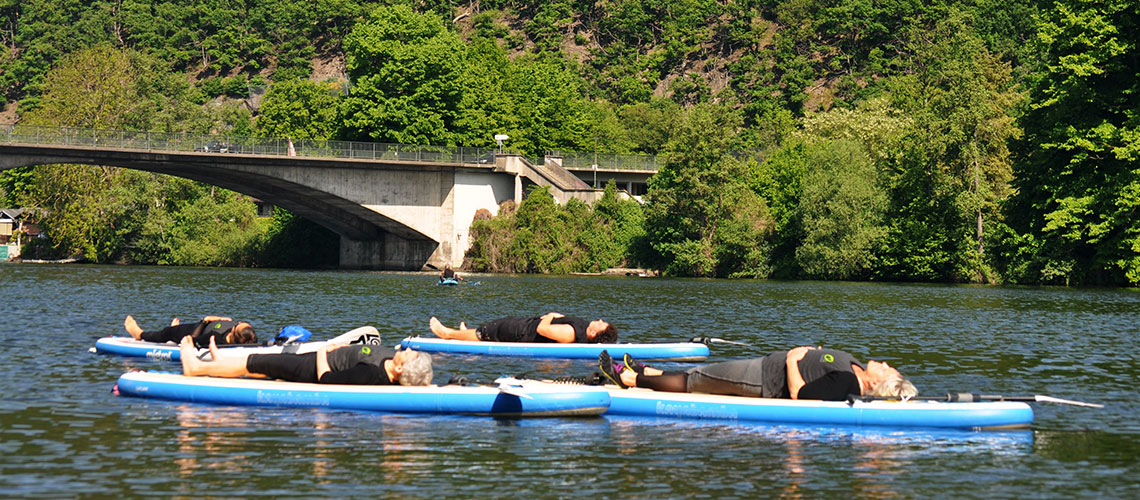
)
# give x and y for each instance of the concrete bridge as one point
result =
(394, 207)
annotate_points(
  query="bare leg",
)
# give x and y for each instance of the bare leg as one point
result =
(132, 327)
(444, 332)
(629, 378)
(221, 367)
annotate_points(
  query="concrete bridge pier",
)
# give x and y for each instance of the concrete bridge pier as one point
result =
(389, 253)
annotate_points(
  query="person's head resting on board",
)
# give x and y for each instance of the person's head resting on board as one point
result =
(600, 332)
(411, 367)
(241, 333)
(881, 379)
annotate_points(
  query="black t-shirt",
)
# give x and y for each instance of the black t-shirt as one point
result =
(511, 329)
(828, 375)
(358, 365)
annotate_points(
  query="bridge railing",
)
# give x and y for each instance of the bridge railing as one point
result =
(160, 141)
(586, 161)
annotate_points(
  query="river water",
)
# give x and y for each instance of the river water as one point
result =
(64, 434)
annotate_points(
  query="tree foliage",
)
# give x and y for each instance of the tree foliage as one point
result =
(543, 236)
(299, 109)
(1078, 184)
(406, 70)
(702, 218)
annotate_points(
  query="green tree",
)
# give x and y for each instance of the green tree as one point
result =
(298, 109)
(406, 71)
(842, 210)
(963, 100)
(702, 219)
(94, 88)
(1078, 186)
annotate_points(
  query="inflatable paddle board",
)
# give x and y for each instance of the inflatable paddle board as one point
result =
(169, 351)
(931, 414)
(677, 351)
(513, 398)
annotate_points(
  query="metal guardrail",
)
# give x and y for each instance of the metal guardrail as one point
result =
(586, 161)
(150, 141)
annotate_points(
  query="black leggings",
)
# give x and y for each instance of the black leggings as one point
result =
(176, 332)
(743, 377)
(667, 381)
(290, 367)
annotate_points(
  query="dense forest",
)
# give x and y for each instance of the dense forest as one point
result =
(943, 140)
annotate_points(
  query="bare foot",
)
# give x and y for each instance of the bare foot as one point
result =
(213, 348)
(175, 322)
(437, 328)
(191, 365)
(132, 327)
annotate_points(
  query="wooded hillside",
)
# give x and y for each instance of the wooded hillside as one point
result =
(945, 140)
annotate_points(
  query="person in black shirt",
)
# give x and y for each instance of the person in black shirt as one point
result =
(449, 274)
(800, 373)
(357, 364)
(226, 330)
(550, 327)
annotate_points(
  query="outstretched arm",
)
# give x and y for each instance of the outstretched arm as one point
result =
(563, 334)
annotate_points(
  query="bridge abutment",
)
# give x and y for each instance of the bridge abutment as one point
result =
(390, 253)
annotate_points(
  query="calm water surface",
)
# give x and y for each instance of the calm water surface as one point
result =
(63, 434)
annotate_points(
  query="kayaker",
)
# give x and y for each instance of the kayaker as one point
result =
(550, 327)
(356, 364)
(449, 274)
(799, 373)
(226, 330)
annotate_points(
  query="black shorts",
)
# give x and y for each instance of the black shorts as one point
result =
(290, 367)
(508, 329)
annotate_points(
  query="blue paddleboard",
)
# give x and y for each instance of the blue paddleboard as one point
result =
(931, 414)
(513, 398)
(676, 351)
(169, 351)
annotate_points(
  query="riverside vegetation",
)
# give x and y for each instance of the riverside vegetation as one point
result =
(946, 140)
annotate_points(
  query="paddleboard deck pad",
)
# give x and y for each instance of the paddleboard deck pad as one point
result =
(930, 414)
(675, 351)
(168, 351)
(522, 399)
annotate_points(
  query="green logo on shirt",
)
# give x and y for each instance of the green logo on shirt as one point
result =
(828, 358)
(366, 350)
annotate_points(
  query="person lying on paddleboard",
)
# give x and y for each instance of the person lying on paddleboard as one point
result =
(550, 327)
(449, 274)
(226, 330)
(801, 373)
(355, 364)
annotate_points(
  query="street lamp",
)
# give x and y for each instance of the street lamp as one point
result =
(499, 138)
(595, 165)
